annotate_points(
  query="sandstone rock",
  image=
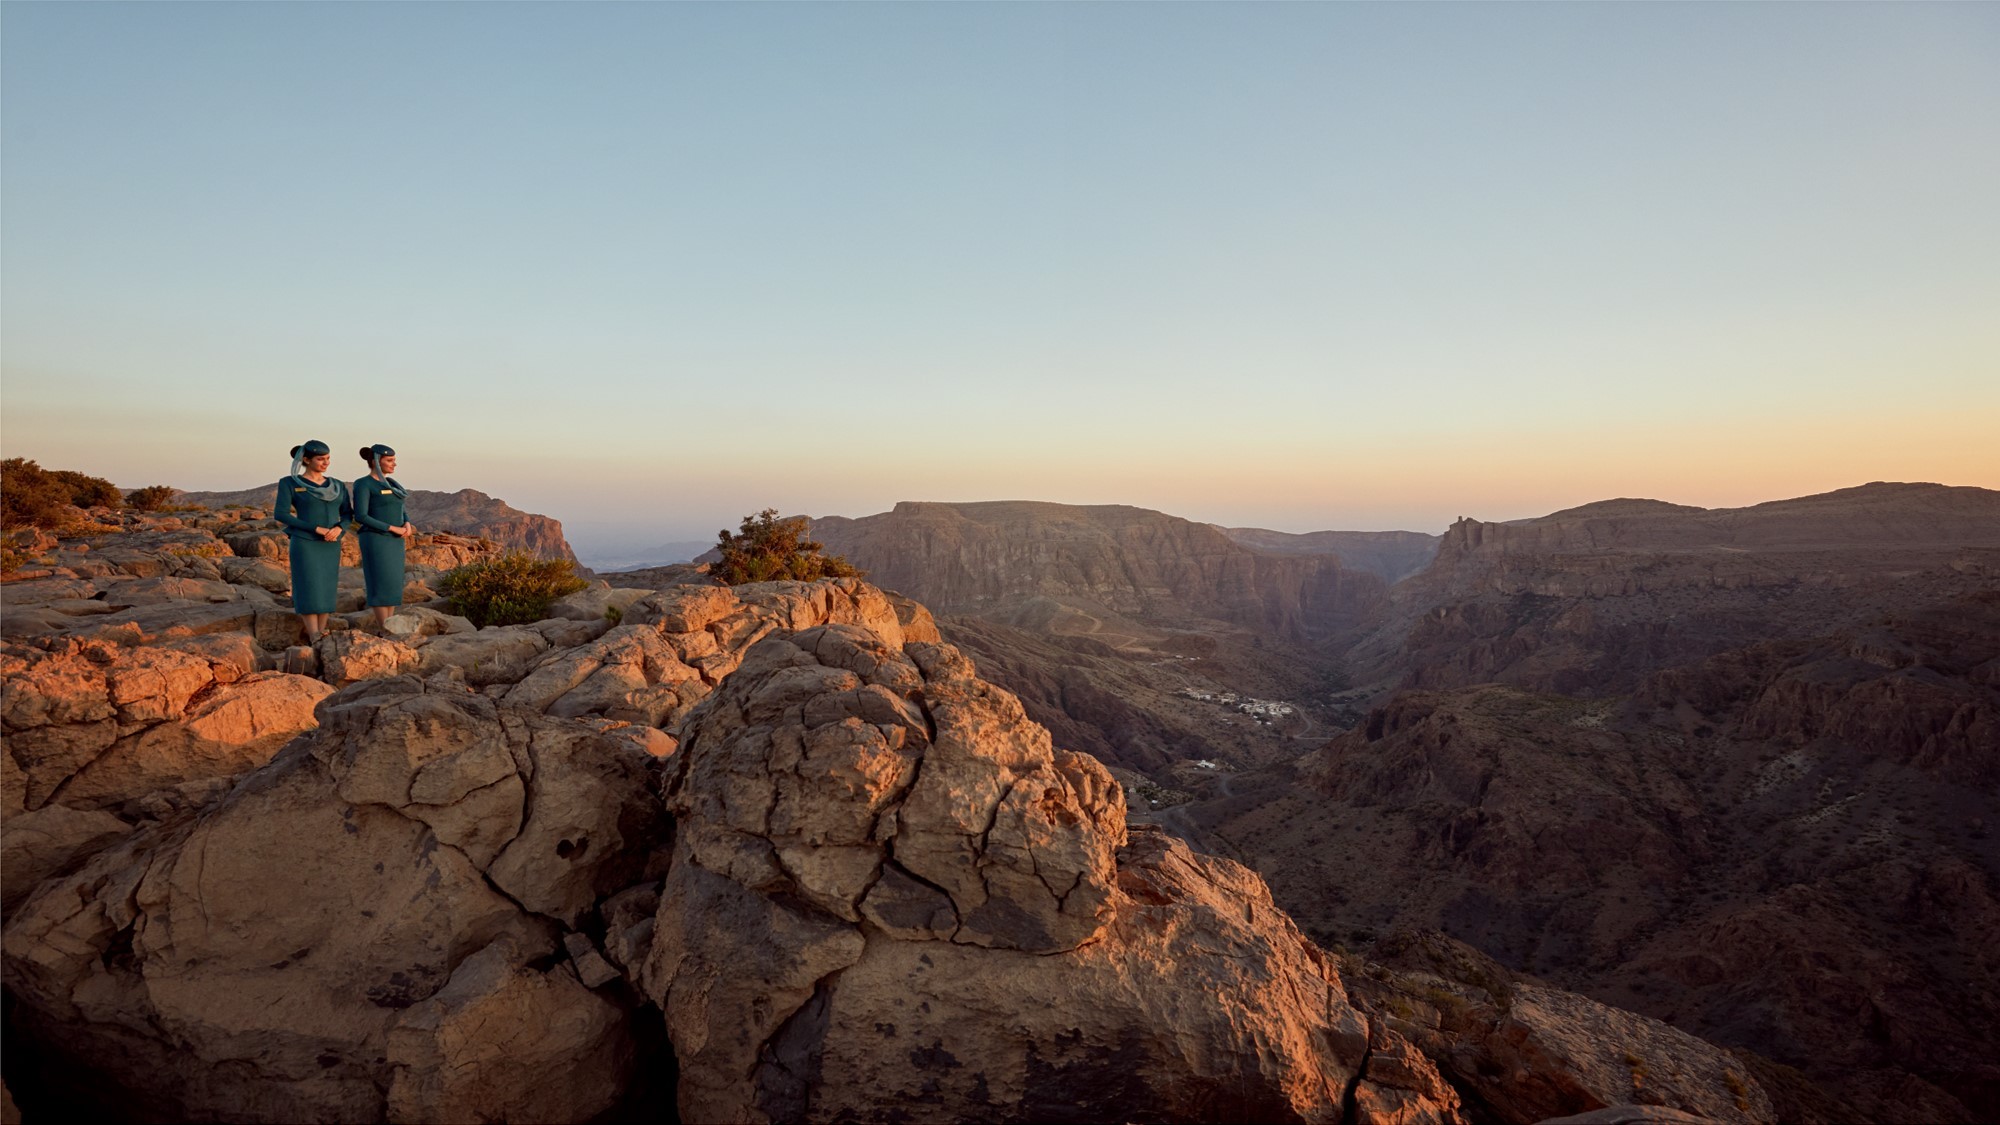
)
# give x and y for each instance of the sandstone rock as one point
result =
(81, 607)
(1522, 1051)
(305, 950)
(35, 845)
(235, 728)
(260, 545)
(63, 708)
(629, 673)
(163, 590)
(277, 629)
(230, 656)
(916, 620)
(33, 621)
(683, 609)
(595, 603)
(486, 656)
(177, 619)
(502, 1042)
(413, 621)
(348, 657)
(258, 572)
(876, 852)
(628, 926)
(591, 967)
(17, 594)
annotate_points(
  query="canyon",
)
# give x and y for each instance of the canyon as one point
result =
(1060, 814)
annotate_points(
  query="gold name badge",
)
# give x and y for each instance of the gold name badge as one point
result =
(297, 490)
(385, 492)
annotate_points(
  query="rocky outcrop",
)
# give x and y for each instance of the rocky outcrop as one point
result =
(877, 852)
(465, 513)
(1521, 1051)
(94, 725)
(367, 927)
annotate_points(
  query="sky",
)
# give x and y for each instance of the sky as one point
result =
(648, 267)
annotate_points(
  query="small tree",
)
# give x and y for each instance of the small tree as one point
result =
(768, 549)
(30, 496)
(86, 491)
(151, 498)
(514, 589)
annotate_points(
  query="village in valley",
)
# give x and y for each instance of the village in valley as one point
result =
(1261, 710)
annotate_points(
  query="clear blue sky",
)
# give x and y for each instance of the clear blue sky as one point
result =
(648, 267)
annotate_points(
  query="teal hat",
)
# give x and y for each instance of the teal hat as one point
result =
(312, 449)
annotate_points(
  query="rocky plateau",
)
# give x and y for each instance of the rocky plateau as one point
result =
(770, 852)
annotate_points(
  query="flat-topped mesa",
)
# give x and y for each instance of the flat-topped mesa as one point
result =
(1843, 534)
(967, 558)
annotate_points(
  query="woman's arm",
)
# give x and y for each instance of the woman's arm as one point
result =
(282, 510)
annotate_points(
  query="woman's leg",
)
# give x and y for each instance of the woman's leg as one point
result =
(382, 613)
(310, 624)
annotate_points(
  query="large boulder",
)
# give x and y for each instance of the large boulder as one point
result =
(892, 898)
(97, 726)
(368, 927)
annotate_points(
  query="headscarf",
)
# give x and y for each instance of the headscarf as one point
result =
(375, 454)
(330, 491)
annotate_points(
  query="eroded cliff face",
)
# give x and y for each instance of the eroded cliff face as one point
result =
(1595, 599)
(983, 558)
(1785, 849)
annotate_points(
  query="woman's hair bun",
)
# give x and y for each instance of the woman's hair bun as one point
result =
(295, 450)
(368, 454)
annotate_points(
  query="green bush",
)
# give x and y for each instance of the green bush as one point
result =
(513, 589)
(767, 549)
(30, 496)
(151, 498)
(88, 491)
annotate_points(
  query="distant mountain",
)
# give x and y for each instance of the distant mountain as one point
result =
(1736, 769)
(1003, 559)
(1596, 598)
(465, 512)
(1392, 555)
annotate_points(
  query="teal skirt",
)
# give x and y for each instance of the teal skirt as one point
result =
(315, 575)
(382, 568)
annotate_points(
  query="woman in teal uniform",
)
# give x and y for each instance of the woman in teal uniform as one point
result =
(314, 509)
(378, 507)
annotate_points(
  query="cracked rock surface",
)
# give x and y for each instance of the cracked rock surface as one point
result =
(892, 898)
(369, 926)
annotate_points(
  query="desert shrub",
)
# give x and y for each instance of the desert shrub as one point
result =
(90, 492)
(767, 549)
(511, 589)
(151, 498)
(30, 496)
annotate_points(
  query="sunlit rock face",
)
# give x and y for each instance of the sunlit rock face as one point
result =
(891, 897)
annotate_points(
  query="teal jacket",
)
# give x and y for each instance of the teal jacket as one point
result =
(376, 506)
(301, 512)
